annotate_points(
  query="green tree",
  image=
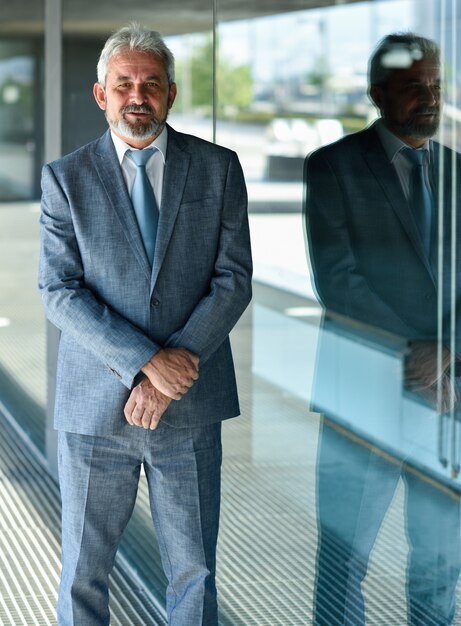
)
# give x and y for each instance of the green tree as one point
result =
(319, 75)
(195, 82)
(235, 87)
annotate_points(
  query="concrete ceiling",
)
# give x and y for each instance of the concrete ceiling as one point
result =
(99, 17)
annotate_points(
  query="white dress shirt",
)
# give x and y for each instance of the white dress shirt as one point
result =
(393, 147)
(154, 168)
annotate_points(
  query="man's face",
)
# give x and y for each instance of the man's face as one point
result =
(137, 97)
(410, 101)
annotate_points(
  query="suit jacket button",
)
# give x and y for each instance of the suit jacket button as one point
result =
(155, 302)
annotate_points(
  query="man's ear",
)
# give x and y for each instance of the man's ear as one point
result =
(376, 94)
(100, 95)
(171, 95)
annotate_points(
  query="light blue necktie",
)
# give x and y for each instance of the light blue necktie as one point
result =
(143, 199)
(421, 199)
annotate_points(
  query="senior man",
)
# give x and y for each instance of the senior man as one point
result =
(145, 268)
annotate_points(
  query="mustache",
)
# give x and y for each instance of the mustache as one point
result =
(428, 111)
(134, 108)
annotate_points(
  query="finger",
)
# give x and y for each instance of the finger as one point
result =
(173, 394)
(154, 422)
(190, 357)
(190, 384)
(136, 415)
(187, 387)
(128, 410)
(146, 419)
(186, 373)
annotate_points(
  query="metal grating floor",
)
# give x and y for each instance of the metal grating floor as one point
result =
(30, 546)
(268, 534)
(268, 537)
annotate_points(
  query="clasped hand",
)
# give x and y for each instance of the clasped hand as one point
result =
(428, 377)
(169, 375)
(145, 405)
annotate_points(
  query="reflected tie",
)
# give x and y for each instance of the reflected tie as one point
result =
(421, 200)
(143, 199)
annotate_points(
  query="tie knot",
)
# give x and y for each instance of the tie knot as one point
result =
(140, 157)
(416, 157)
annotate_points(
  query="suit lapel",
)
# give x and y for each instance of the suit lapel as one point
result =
(441, 169)
(110, 175)
(175, 176)
(174, 180)
(385, 174)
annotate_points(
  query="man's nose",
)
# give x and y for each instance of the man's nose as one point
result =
(430, 94)
(138, 94)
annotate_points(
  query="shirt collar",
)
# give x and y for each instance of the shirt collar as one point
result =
(159, 142)
(391, 143)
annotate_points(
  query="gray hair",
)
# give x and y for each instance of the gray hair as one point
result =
(399, 51)
(137, 38)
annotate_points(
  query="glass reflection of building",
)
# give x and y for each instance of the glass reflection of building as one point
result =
(273, 81)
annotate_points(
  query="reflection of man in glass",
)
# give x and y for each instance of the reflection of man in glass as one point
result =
(372, 227)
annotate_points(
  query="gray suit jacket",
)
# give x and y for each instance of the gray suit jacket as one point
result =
(113, 310)
(366, 252)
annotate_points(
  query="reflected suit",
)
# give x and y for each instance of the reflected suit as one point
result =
(369, 264)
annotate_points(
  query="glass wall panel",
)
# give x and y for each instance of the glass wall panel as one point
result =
(21, 113)
(193, 109)
(341, 477)
(22, 328)
(343, 502)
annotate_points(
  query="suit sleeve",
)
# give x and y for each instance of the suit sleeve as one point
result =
(339, 285)
(230, 290)
(70, 305)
